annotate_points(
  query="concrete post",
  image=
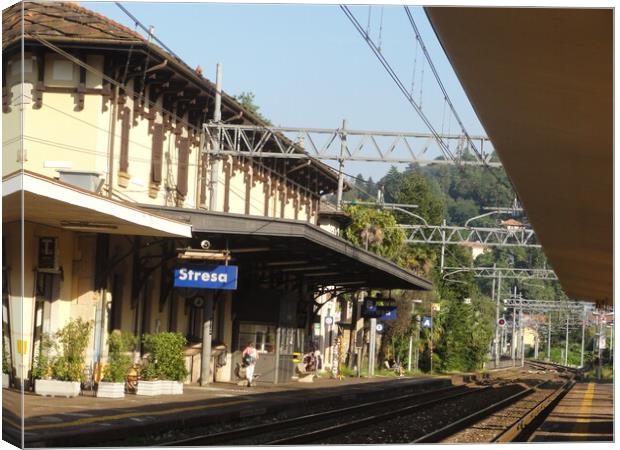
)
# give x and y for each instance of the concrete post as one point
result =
(371, 347)
(410, 351)
(205, 359)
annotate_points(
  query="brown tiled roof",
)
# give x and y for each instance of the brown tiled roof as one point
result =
(67, 20)
(62, 19)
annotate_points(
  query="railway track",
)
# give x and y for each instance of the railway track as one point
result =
(452, 414)
(288, 424)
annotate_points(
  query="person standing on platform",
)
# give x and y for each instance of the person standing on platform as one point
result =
(249, 358)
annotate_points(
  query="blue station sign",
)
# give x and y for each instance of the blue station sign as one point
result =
(379, 308)
(206, 277)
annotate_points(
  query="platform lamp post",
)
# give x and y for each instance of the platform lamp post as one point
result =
(371, 234)
(411, 334)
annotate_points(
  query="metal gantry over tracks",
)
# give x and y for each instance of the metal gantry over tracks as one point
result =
(490, 236)
(502, 272)
(340, 144)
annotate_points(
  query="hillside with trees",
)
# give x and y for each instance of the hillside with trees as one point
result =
(463, 329)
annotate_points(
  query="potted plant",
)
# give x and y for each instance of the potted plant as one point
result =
(6, 369)
(41, 367)
(67, 369)
(165, 361)
(112, 384)
(148, 383)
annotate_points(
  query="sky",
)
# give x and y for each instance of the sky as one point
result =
(308, 66)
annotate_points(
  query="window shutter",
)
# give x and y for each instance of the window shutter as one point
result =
(125, 126)
(183, 164)
(157, 152)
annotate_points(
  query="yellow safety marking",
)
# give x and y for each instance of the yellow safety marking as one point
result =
(586, 404)
(557, 433)
(88, 420)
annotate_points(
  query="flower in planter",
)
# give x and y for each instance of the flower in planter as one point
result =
(119, 362)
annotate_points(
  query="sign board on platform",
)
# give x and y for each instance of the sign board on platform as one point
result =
(206, 277)
(427, 322)
(379, 308)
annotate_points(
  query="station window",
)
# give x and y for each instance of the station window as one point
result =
(263, 336)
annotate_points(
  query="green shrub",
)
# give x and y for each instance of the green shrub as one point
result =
(41, 364)
(6, 363)
(119, 362)
(73, 339)
(165, 358)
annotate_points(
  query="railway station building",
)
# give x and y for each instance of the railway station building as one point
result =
(106, 188)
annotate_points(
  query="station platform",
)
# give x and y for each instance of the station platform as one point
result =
(584, 414)
(88, 421)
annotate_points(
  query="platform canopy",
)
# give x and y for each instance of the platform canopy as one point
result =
(295, 247)
(541, 83)
(51, 202)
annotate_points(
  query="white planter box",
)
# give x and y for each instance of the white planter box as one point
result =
(149, 388)
(5, 381)
(169, 387)
(107, 389)
(55, 388)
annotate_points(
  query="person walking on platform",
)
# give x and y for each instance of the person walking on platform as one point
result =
(249, 358)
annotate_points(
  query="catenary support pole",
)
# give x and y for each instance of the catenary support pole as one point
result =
(496, 322)
(443, 245)
(343, 148)
(513, 340)
(417, 348)
(583, 335)
(431, 341)
(214, 160)
(566, 343)
(549, 337)
(522, 336)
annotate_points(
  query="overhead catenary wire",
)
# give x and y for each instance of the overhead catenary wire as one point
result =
(397, 80)
(428, 58)
(139, 24)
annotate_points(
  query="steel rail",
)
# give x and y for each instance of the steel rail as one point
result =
(313, 436)
(461, 424)
(232, 435)
(520, 429)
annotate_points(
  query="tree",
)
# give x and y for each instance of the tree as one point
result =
(375, 230)
(247, 101)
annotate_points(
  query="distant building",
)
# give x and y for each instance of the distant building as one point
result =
(476, 248)
(512, 225)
